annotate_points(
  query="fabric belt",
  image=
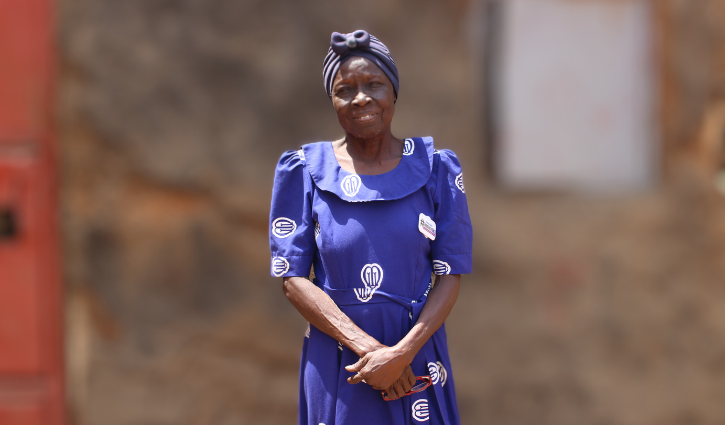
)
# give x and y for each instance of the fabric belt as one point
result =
(348, 297)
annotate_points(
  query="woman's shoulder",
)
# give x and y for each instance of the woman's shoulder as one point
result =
(445, 153)
(314, 149)
(448, 159)
(448, 169)
(291, 161)
(430, 147)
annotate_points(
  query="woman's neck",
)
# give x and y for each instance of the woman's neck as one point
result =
(376, 155)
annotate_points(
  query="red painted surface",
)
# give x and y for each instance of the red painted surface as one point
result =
(31, 366)
(20, 332)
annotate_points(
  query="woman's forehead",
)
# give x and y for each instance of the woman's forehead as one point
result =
(359, 66)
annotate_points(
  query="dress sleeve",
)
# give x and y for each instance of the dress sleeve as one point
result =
(453, 247)
(291, 227)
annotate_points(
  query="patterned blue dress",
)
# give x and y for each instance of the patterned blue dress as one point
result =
(362, 234)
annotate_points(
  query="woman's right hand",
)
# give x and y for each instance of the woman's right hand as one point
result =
(406, 380)
(380, 369)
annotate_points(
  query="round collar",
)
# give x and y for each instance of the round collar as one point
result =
(411, 173)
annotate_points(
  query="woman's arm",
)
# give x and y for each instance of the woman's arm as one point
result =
(384, 366)
(319, 309)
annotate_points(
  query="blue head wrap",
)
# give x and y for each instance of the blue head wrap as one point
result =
(358, 43)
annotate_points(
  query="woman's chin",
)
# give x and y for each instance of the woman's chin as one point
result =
(365, 132)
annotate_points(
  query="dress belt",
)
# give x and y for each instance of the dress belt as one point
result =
(348, 297)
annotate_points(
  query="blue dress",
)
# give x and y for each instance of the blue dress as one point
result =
(362, 235)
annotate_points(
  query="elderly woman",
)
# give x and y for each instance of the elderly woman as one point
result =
(375, 216)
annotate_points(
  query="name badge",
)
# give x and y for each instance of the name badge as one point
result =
(427, 226)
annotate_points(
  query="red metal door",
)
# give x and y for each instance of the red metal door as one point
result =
(31, 386)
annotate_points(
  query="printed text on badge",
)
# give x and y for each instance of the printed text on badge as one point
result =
(427, 226)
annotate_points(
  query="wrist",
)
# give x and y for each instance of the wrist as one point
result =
(367, 345)
(404, 352)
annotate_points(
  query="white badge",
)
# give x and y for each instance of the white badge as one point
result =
(427, 226)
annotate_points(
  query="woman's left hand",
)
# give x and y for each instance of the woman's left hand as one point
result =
(380, 369)
(404, 384)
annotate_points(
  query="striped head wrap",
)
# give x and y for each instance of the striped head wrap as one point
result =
(358, 43)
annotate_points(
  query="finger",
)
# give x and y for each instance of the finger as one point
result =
(356, 379)
(355, 367)
(392, 393)
(410, 376)
(398, 388)
(405, 383)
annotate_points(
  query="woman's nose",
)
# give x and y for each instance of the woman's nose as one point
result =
(361, 99)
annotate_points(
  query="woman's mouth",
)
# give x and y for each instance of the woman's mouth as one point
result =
(363, 118)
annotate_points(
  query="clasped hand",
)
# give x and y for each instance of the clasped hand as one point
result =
(384, 369)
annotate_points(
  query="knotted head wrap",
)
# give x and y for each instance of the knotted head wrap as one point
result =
(358, 43)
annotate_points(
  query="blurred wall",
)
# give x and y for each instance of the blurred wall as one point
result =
(172, 114)
(575, 95)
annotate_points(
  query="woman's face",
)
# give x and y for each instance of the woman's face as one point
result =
(364, 98)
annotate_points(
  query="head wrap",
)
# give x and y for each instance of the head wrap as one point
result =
(358, 43)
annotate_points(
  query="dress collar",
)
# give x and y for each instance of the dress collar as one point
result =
(409, 175)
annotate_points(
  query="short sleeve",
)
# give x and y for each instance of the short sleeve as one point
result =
(291, 227)
(452, 250)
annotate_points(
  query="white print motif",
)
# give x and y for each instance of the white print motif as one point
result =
(441, 267)
(433, 372)
(280, 266)
(317, 229)
(283, 227)
(351, 185)
(409, 147)
(371, 276)
(437, 373)
(420, 410)
(301, 154)
(459, 183)
(339, 345)
(443, 373)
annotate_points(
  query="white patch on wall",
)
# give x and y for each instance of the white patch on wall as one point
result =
(575, 96)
